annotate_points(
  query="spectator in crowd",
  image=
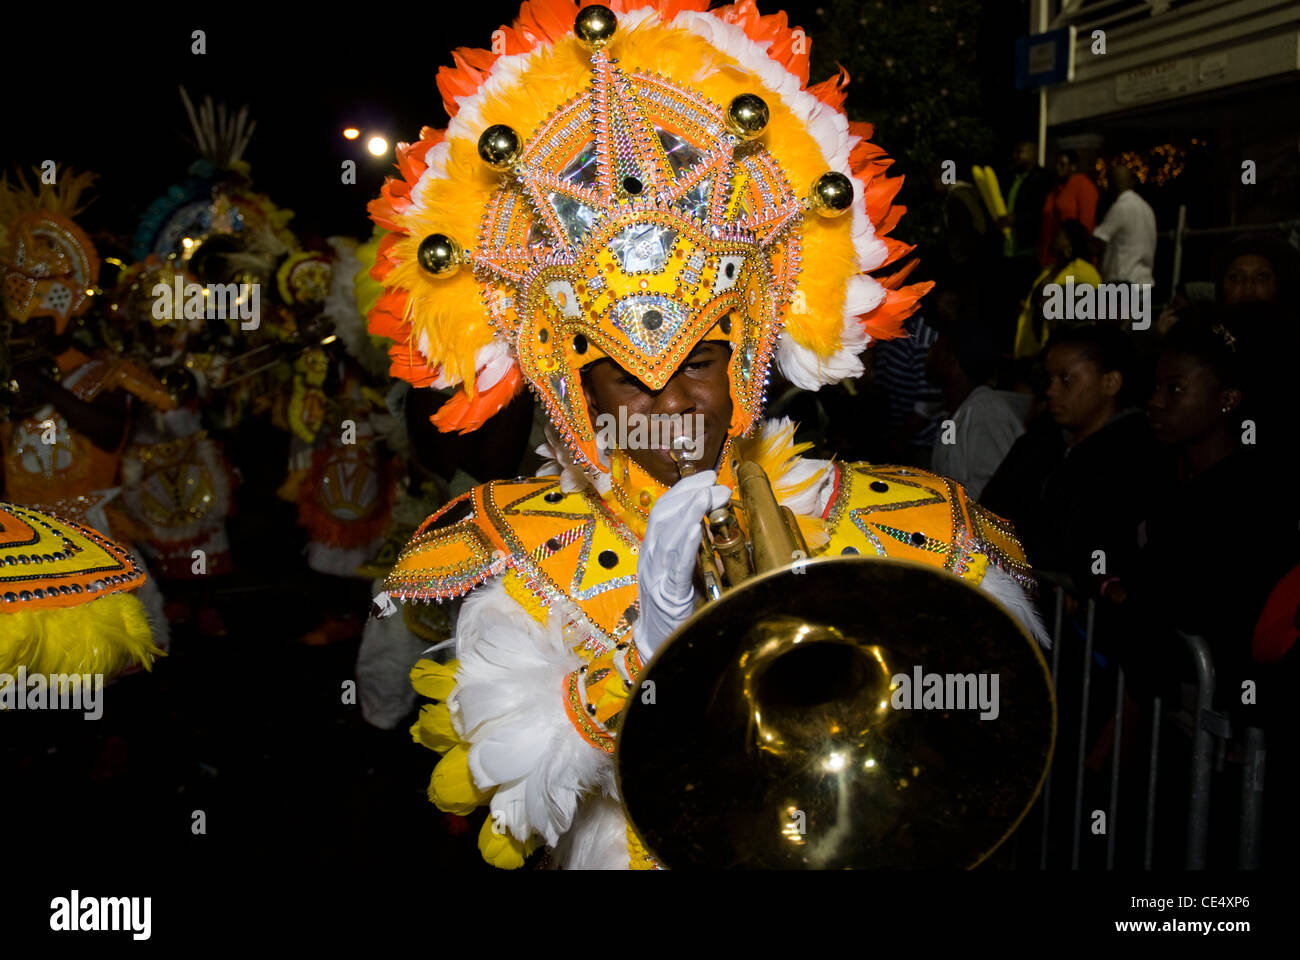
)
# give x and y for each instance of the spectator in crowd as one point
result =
(1127, 234)
(1027, 186)
(985, 422)
(914, 402)
(1073, 198)
(1025, 197)
(1207, 479)
(965, 221)
(1259, 269)
(1076, 493)
(1267, 342)
(1070, 250)
(1195, 412)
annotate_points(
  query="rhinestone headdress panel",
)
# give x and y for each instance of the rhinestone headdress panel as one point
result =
(634, 226)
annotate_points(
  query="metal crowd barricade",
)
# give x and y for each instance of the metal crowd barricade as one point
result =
(1210, 734)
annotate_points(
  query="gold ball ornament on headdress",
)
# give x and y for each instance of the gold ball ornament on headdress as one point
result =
(747, 116)
(440, 255)
(831, 194)
(595, 26)
(499, 147)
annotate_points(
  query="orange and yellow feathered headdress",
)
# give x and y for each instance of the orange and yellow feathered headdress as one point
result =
(624, 183)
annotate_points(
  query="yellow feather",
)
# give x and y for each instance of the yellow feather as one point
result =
(103, 636)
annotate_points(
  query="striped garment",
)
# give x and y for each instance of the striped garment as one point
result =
(900, 369)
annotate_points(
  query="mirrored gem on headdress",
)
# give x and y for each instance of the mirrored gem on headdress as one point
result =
(681, 154)
(694, 202)
(581, 170)
(650, 322)
(747, 362)
(643, 247)
(575, 217)
(563, 296)
(559, 382)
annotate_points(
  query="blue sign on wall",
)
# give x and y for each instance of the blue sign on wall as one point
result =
(1045, 58)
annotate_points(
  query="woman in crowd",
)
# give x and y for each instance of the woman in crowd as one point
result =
(1075, 488)
(1195, 414)
(1071, 247)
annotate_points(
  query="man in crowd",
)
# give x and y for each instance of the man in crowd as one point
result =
(1073, 198)
(1127, 234)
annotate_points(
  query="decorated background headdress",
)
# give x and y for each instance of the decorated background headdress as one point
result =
(216, 201)
(48, 265)
(626, 183)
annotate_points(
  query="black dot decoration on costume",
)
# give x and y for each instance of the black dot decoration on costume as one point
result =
(630, 614)
(580, 344)
(543, 335)
(918, 539)
(591, 709)
(553, 544)
(725, 324)
(879, 486)
(454, 514)
(608, 559)
(555, 496)
(849, 552)
(729, 270)
(652, 320)
(632, 185)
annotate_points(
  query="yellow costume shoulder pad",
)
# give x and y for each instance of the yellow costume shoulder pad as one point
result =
(563, 546)
(911, 514)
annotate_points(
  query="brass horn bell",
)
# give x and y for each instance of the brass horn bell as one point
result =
(773, 739)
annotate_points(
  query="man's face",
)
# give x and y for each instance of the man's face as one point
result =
(1250, 279)
(1023, 156)
(699, 387)
(1078, 393)
(1064, 168)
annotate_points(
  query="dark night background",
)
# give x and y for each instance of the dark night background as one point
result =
(108, 100)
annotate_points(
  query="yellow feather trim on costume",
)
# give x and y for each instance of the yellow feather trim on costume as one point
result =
(434, 680)
(434, 728)
(501, 849)
(979, 565)
(451, 788)
(104, 636)
(638, 857)
(521, 595)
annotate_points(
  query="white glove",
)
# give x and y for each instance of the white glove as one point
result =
(665, 567)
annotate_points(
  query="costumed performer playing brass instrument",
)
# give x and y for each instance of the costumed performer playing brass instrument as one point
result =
(659, 206)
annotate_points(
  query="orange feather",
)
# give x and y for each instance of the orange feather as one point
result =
(463, 415)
